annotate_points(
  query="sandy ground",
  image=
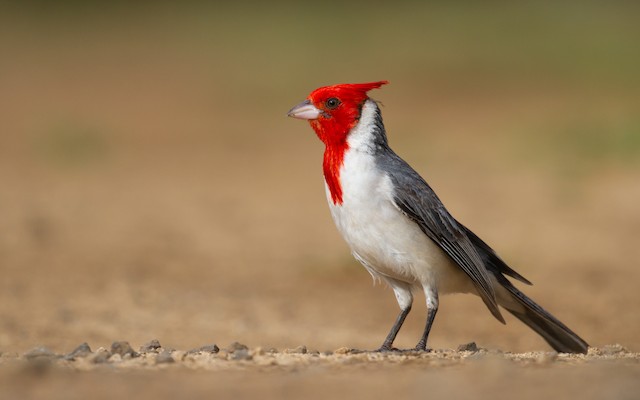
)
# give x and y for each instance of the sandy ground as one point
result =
(240, 372)
(151, 186)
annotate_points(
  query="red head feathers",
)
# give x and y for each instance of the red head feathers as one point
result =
(340, 107)
(332, 112)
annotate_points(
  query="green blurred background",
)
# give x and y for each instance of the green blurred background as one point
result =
(152, 186)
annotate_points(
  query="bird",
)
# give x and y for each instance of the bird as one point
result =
(397, 227)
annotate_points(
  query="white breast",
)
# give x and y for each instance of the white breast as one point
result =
(381, 237)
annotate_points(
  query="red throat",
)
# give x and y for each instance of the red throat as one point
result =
(340, 107)
(335, 148)
(333, 160)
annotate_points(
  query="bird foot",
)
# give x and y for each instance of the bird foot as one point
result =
(421, 349)
(387, 349)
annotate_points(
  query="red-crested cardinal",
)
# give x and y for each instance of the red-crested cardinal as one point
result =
(398, 228)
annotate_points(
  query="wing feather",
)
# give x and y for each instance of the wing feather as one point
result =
(414, 197)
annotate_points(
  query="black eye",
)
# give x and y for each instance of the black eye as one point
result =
(332, 103)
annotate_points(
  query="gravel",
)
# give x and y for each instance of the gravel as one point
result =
(123, 349)
(210, 348)
(79, 352)
(237, 355)
(151, 347)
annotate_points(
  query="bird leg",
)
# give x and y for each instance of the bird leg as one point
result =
(431, 315)
(388, 342)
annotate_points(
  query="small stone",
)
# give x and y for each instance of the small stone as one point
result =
(165, 358)
(241, 354)
(40, 353)
(594, 351)
(297, 350)
(211, 349)
(123, 348)
(150, 347)
(100, 356)
(612, 349)
(471, 346)
(79, 352)
(235, 346)
(343, 350)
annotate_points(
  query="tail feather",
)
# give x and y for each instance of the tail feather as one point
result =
(557, 334)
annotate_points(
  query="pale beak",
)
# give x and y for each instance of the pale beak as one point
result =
(304, 110)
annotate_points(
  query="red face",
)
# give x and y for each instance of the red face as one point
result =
(334, 110)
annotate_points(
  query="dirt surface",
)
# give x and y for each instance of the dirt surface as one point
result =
(151, 186)
(241, 372)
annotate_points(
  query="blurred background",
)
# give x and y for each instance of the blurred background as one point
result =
(153, 187)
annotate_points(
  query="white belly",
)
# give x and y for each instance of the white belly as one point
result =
(382, 238)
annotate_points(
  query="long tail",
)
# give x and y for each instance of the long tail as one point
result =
(561, 338)
(526, 310)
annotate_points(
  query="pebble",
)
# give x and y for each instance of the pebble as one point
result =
(211, 349)
(150, 347)
(100, 356)
(40, 353)
(79, 352)
(471, 346)
(297, 350)
(342, 350)
(612, 349)
(123, 348)
(235, 346)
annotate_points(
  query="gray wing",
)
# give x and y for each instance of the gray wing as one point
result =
(420, 203)
(491, 260)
